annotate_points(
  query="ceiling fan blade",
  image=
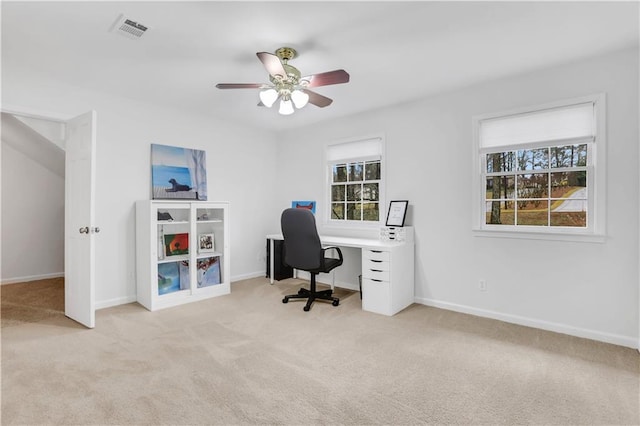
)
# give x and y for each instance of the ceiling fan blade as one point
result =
(327, 78)
(272, 63)
(239, 85)
(317, 99)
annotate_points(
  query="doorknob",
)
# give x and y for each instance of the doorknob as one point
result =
(95, 230)
(84, 230)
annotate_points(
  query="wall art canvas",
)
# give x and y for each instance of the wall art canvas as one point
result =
(309, 205)
(173, 276)
(183, 268)
(178, 173)
(208, 271)
(176, 244)
(168, 278)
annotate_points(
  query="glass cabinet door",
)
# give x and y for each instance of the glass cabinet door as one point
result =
(209, 245)
(173, 248)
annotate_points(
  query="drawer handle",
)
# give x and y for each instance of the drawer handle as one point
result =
(376, 270)
(376, 251)
(376, 261)
(378, 281)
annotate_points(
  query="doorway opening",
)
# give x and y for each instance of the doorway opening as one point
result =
(33, 201)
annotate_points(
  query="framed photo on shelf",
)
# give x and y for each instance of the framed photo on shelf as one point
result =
(397, 213)
(206, 243)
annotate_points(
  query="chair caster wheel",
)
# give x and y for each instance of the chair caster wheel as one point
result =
(285, 300)
(335, 302)
(306, 308)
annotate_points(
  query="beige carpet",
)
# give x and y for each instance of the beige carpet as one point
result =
(247, 358)
(34, 301)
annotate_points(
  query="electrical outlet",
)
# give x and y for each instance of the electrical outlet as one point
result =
(482, 285)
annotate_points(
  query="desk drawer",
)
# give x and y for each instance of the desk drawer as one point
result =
(376, 255)
(380, 265)
(377, 273)
(376, 296)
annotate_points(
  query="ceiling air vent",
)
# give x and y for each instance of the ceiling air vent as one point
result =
(129, 28)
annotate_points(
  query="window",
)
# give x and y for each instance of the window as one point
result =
(537, 187)
(355, 181)
(538, 172)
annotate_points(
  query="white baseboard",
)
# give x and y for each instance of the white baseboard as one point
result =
(616, 339)
(115, 302)
(31, 278)
(247, 276)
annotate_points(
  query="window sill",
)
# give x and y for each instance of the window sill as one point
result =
(548, 236)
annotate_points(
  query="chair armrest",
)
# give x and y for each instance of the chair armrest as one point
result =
(337, 249)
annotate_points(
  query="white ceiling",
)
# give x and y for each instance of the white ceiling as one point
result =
(394, 51)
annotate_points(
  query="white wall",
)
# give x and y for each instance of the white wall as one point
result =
(32, 219)
(240, 169)
(584, 289)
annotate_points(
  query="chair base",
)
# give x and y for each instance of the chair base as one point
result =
(312, 295)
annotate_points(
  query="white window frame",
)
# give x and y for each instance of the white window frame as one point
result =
(596, 178)
(355, 157)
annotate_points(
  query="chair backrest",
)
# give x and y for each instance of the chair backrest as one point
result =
(302, 248)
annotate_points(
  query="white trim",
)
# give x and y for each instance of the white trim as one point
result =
(596, 211)
(115, 302)
(540, 235)
(34, 113)
(248, 275)
(30, 278)
(350, 224)
(616, 339)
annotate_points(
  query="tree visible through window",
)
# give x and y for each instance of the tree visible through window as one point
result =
(355, 191)
(541, 170)
(537, 187)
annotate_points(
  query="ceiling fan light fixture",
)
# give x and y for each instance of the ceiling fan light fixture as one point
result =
(286, 106)
(268, 97)
(288, 85)
(299, 98)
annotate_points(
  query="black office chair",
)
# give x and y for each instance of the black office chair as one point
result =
(302, 250)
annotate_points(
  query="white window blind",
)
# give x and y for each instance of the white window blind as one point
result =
(556, 124)
(366, 149)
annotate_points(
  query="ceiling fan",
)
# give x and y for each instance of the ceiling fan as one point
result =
(287, 83)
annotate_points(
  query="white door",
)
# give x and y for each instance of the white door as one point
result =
(80, 229)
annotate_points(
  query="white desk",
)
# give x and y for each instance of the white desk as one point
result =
(387, 270)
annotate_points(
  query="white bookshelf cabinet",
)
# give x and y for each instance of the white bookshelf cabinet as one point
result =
(182, 252)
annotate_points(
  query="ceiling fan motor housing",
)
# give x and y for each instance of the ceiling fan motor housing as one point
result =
(288, 83)
(286, 53)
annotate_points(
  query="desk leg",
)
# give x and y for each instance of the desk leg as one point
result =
(271, 260)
